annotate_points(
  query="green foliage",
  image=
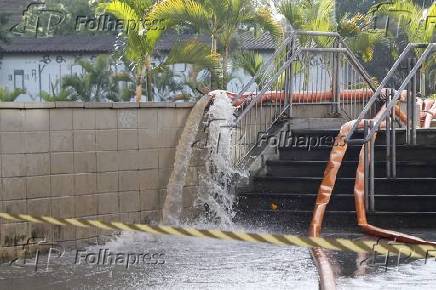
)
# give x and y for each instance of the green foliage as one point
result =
(53, 96)
(96, 84)
(196, 54)
(250, 62)
(221, 19)
(417, 23)
(139, 39)
(311, 15)
(358, 34)
(319, 15)
(8, 96)
(166, 84)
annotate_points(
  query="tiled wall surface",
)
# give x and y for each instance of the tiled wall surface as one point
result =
(103, 161)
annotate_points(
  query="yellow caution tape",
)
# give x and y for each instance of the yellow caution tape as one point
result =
(383, 247)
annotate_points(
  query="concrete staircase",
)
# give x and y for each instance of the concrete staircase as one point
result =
(285, 190)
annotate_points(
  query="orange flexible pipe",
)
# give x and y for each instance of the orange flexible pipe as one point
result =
(327, 277)
(328, 183)
(430, 111)
(303, 97)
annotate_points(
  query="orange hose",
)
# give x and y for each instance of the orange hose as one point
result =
(306, 97)
(326, 188)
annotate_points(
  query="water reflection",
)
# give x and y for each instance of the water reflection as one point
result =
(211, 264)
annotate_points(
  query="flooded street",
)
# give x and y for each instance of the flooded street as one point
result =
(189, 263)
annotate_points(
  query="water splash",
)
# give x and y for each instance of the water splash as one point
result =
(216, 192)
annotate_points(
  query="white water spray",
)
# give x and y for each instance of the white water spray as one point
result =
(216, 194)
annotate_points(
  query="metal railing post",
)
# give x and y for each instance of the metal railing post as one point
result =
(335, 79)
(372, 171)
(413, 104)
(388, 138)
(366, 166)
(393, 141)
(290, 85)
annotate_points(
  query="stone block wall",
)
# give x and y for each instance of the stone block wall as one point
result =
(105, 161)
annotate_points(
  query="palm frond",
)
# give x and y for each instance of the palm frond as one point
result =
(265, 19)
(409, 16)
(195, 53)
(176, 12)
(122, 10)
(250, 62)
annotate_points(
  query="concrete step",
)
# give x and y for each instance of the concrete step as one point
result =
(310, 185)
(418, 153)
(338, 202)
(338, 220)
(288, 168)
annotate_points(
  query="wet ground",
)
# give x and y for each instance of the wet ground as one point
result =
(189, 263)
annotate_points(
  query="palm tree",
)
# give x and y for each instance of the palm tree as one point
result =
(310, 15)
(94, 85)
(166, 83)
(221, 19)
(319, 15)
(140, 41)
(417, 23)
(359, 35)
(54, 96)
(251, 62)
(204, 65)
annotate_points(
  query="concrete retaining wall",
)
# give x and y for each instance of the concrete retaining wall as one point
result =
(103, 161)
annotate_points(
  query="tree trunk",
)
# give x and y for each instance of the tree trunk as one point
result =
(149, 79)
(225, 67)
(214, 83)
(138, 90)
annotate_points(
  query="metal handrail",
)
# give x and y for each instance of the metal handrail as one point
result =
(267, 65)
(371, 127)
(265, 88)
(276, 80)
(376, 96)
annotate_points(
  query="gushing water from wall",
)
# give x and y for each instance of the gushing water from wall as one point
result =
(216, 193)
(173, 204)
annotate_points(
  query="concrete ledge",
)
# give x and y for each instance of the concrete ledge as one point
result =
(37, 105)
(96, 105)
(11, 105)
(92, 105)
(69, 105)
(124, 105)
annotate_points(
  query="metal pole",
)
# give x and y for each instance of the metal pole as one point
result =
(408, 106)
(393, 142)
(371, 172)
(366, 166)
(413, 104)
(291, 84)
(388, 138)
(336, 89)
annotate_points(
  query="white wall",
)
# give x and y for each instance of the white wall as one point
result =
(40, 71)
